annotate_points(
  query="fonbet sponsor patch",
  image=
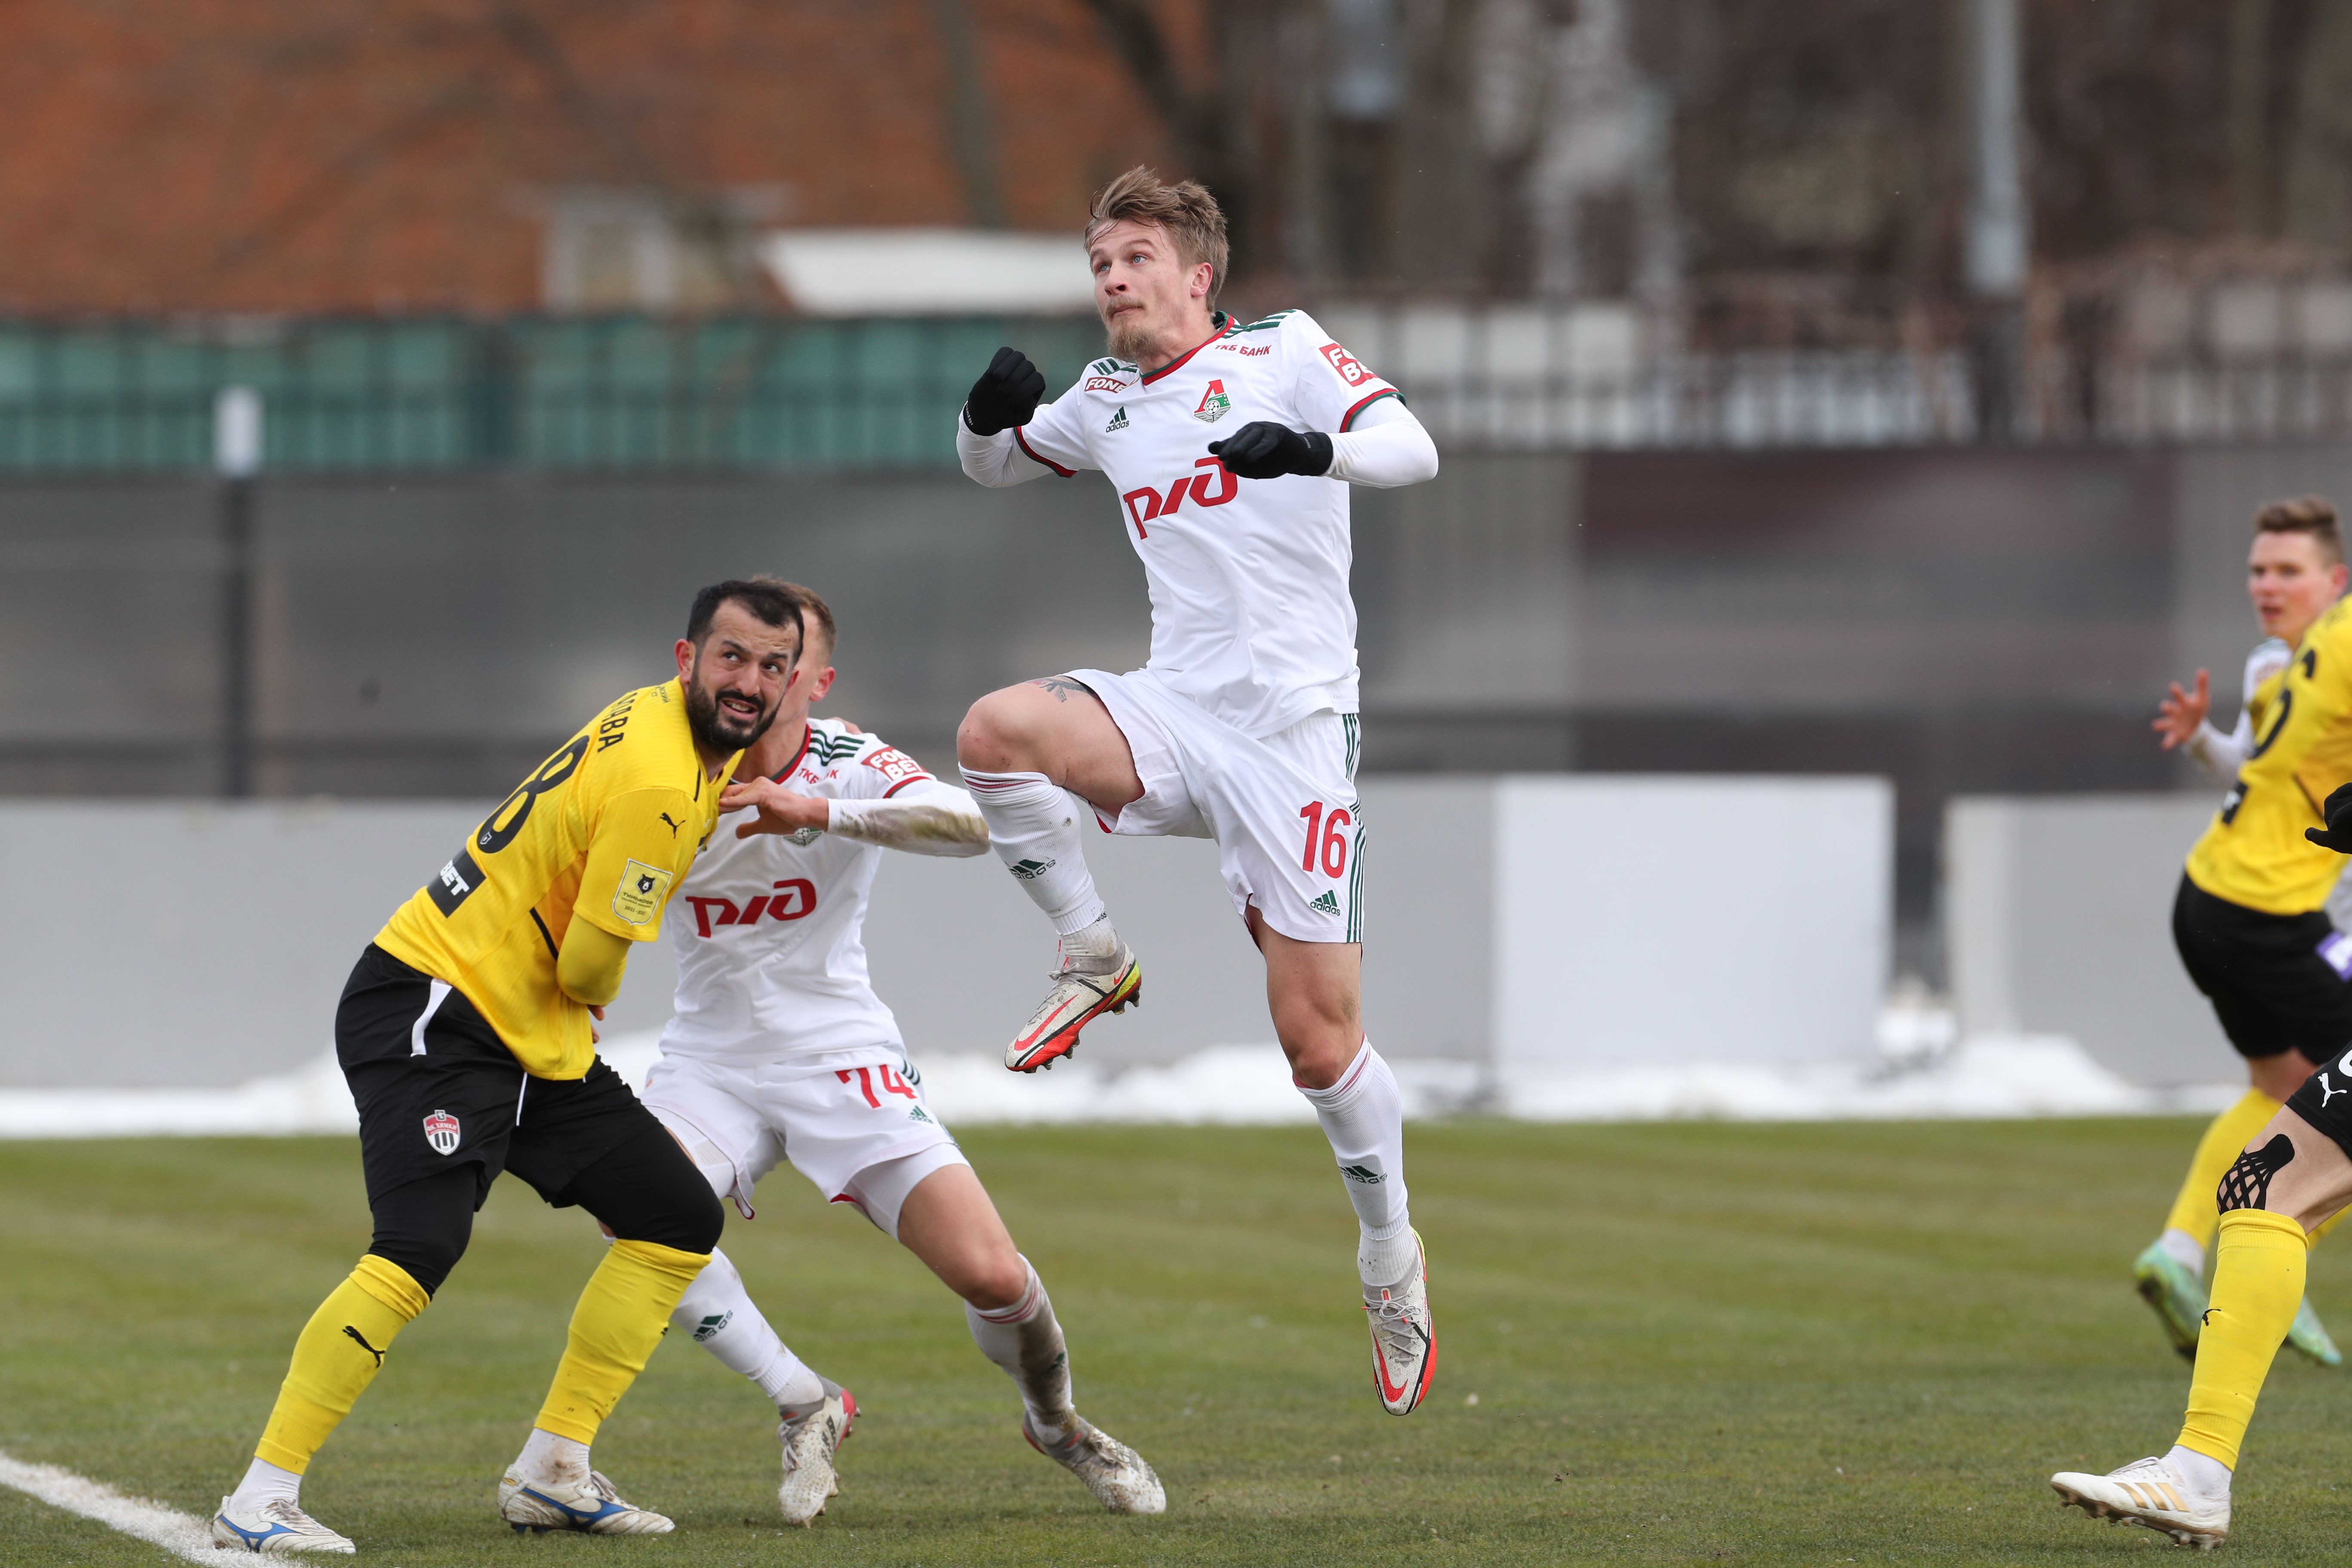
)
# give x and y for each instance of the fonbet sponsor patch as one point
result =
(638, 899)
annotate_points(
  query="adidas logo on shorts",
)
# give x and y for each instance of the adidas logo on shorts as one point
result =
(1327, 904)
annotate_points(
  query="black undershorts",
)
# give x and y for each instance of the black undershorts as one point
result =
(2265, 975)
(441, 1090)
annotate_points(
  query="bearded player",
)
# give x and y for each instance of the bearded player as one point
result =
(781, 1050)
(1243, 727)
(465, 1034)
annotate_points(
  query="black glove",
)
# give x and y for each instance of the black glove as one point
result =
(1264, 450)
(1006, 394)
(2337, 834)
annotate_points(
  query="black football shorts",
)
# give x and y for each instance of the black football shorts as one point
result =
(2271, 984)
(437, 1088)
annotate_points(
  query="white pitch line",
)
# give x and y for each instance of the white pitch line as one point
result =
(182, 1534)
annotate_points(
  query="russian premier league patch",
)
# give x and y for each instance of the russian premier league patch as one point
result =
(638, 899)
(441, 1132)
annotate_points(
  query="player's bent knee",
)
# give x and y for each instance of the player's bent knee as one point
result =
(992, 736)
(423, 1226)
(997, 1283)
(2247, 1183)
(646, 1189)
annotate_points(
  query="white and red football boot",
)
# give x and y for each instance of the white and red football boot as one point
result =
(1404, 1337)
(1078, 997)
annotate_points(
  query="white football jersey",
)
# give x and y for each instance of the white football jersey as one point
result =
(769, 931)
(1250, 613)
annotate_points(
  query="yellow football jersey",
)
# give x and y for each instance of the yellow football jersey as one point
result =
(2254, 854)
(604, 831)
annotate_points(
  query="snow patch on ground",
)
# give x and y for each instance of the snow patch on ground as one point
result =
(1985, 1077)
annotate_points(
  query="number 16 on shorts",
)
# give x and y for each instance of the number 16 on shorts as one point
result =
(1327, 838)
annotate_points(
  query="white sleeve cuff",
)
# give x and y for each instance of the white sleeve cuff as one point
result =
(1388, 447)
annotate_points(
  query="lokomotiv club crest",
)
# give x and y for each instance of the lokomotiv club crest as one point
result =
(441, 1132)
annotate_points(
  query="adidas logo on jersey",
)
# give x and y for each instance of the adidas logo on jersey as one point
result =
(1117, 422)
(1030, 871)
(1327, 904)
(1363, 1174)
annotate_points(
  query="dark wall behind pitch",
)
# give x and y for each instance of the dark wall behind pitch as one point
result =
(1963, 621)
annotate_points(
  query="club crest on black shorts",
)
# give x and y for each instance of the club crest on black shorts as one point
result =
(441, 1132)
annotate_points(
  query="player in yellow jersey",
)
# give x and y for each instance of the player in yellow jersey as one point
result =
(2250, 918)
(465, 1032)
(2254, 939)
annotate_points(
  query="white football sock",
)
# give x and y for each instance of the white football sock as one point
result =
(718, 1312)
(2185, 1247)
(2202, 1471)
(1024, 1339)
(1035, 827)
(265, 1482)
(1363, 1116)
(549, 1461)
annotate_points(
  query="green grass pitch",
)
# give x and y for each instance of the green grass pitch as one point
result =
(1700, 1343)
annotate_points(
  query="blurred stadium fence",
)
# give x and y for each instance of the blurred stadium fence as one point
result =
(601, 393)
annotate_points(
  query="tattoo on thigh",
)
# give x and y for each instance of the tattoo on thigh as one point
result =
(2247, 1183)
(1059, 686)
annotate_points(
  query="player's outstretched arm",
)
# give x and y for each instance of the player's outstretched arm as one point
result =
(926, 817)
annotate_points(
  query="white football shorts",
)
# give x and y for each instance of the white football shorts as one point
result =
(853, 1122)
(1283, 810)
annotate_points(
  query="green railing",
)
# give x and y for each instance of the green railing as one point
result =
(567, 392)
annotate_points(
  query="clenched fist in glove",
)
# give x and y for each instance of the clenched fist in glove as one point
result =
(2337, 834)
(1264, 450)
(1006, 394)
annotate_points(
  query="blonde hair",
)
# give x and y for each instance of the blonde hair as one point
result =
(1186, 210)
(813, 608)
(2313, 515)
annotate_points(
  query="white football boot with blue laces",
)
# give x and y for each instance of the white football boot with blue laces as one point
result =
(591, 1506)
(277, 1529)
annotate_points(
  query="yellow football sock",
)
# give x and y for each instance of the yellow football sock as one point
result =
(2194, 1210)
(2257, 1268)
(615, 1328)
(336, 1357)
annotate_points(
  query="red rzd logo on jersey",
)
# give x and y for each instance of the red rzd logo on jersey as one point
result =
(1214, 488)
(441, 1132)
(1352, 369)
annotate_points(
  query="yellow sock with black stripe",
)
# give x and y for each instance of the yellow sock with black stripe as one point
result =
(336, 1356)
(2258, 1270)
(615, 1328)
(2194, 1210)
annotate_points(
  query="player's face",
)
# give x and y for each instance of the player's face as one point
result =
(2291, 582)
(737, 681)
(1153, 306)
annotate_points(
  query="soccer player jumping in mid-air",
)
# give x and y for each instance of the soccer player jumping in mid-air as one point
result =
(781, 1050)
(465, 1034)
(1243, 727)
